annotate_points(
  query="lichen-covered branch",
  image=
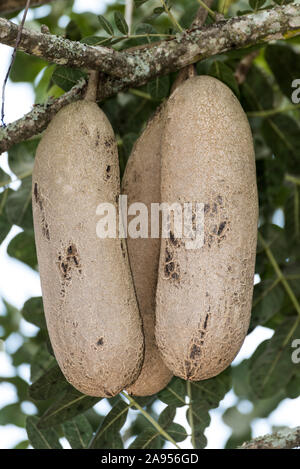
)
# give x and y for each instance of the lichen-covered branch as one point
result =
(287, 438)
(37, 120)
(165, 56)
(62, 51)
(200, 43)
(8, 6)
(189, 47)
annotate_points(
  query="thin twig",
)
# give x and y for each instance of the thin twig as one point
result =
(244, 66)
(293, 179)
(150, 419)
(12, 60)
(273, 112)
(279, 273)
(171, 16)
(190, 413)
(206, 7)
(128, 14)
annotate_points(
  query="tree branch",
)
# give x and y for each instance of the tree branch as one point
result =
(286, 438)
(200, 43)
(8, 6)
(37, 120)
(62, 51)
(165, 56)
(159, 59)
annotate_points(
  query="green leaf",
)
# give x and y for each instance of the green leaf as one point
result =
(87, 22)
(21, 157)
(274, 236)
(204, 396)
(167, 416)
(73, 31)
(20, 385)
(41, 362)
(66, 407)
(78, 432)
(177, 432)
(5, 224)
(22, 247)
(211, 391)
(293, 387)
(282, 134)
(18, 206)
(42, 89)
(149, 438)
(66, 78)
(267, 301)
(158, 10)
(292, 214)
(50, 384)
(26, 67)
(22, 445)
(41, 439)
(5, 179)
(10, 321)
(285, 65)
(106, 25)
(159, 87)
(257, 93)
(12, 414)
(273, 368)
(174, 393)
(225, 74)
(108, 436)
(121, 22)
(33, 312)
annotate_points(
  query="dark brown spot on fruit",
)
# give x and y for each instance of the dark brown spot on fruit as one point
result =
(195, 351)
(205, 322)
(35, 191)
(169, 255)
(221, 227)
(173, 240)
(84, 129)
(108, 168)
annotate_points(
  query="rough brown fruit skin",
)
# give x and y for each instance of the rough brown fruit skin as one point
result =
(203, 299)
(141, 183)
(89, 300)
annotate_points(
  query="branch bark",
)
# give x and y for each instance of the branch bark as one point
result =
(62, 51)
(8, 6)
(165, 56)
(287, 438)
(200, 43)
(160, 58)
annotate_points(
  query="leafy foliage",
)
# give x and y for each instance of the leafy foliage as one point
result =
(261, 382)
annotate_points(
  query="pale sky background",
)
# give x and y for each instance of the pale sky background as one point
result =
(18, 283)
